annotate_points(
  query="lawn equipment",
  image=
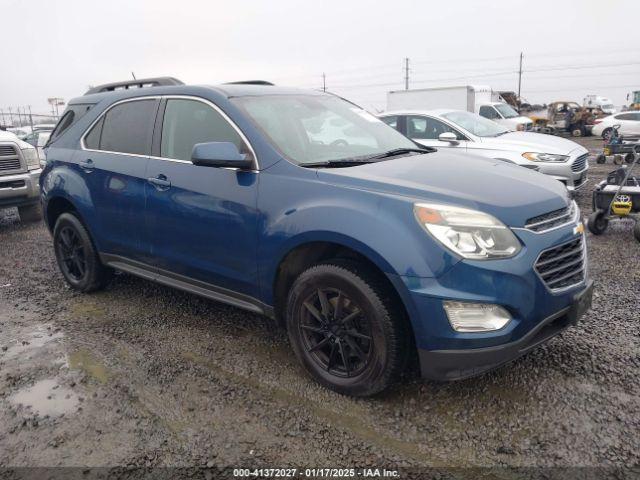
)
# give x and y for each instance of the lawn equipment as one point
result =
(617, 197)
(621, 149)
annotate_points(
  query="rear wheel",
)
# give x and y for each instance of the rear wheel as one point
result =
(629, 157)
(617, 159)
(598, 222)
(346, 329)
(77, 258)
(30, 213)
(602, 158)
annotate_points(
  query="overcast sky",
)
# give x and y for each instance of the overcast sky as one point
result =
(59, 48)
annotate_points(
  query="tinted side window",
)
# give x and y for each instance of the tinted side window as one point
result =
(128, 127)
(488, 112)
(625, 116)
(92, 140)
(392, 121)
(187, 122)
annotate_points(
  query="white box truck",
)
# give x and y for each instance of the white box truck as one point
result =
(472, 98)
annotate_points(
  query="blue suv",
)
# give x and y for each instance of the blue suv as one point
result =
(373, 252)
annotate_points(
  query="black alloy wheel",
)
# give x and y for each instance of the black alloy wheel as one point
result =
(335, 333)
(72, 255)
(77, 258)
(347, 327)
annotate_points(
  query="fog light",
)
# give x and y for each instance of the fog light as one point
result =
(476, 317)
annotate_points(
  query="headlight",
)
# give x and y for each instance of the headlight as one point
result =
(31, 157)
(545, 157)
(469, 233)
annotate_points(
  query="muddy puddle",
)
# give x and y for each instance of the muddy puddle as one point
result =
(46, 397)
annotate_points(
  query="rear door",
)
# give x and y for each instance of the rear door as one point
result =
(201, 221)
(113, 162)
(426, 130)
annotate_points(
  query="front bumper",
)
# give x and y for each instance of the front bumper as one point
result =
(446, 365)
(512, 283)
(20, 189)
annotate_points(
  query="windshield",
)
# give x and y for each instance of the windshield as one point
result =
(320, 128)
(608, 106)
(475, 124)
(507, 111)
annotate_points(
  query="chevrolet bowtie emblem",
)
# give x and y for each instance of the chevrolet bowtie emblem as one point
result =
(579, 228)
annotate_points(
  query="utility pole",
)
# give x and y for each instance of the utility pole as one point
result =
(406, 73)
(324, 82)
(520, 77)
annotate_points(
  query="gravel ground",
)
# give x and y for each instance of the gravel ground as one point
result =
(142, 375)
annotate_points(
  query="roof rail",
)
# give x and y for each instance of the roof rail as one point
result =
(139, 83)
(251, 82)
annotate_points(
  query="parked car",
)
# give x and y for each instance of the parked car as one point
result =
(478, 99)
(19, 173)
(559, 158)
(370, 253)
(629, 125)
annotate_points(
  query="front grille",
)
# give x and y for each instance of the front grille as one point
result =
(6, 150)
(580, 163)
(562, 266)
(7, 164)
(550, 220)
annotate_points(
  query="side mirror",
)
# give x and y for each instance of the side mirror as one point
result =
(219, 154)
(448, 137)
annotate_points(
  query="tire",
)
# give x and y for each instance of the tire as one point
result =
(636, 231)
(606, 133)
(77, 257)
(577, 132)
(598, 222)
(363, 354)
(617, 159)
(30, 213)
(602, 158)
(629, 158)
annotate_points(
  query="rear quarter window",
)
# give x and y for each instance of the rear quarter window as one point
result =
(72, 114)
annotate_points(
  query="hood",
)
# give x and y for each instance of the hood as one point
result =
(12, 137)
(511, 193)
(533, 142)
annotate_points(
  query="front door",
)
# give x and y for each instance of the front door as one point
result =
(201, 221)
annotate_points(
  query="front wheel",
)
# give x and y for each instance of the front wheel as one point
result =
(346, 329)
(598, 222)
(602, 158)
(77, 258)
(629, 158)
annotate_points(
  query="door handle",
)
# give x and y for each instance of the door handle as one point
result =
(160, 182)
(87, 165)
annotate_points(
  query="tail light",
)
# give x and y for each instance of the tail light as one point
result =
(597, 121)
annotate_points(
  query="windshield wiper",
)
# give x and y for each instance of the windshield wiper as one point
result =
(343, 162)
(400, 151)
(349, 162)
